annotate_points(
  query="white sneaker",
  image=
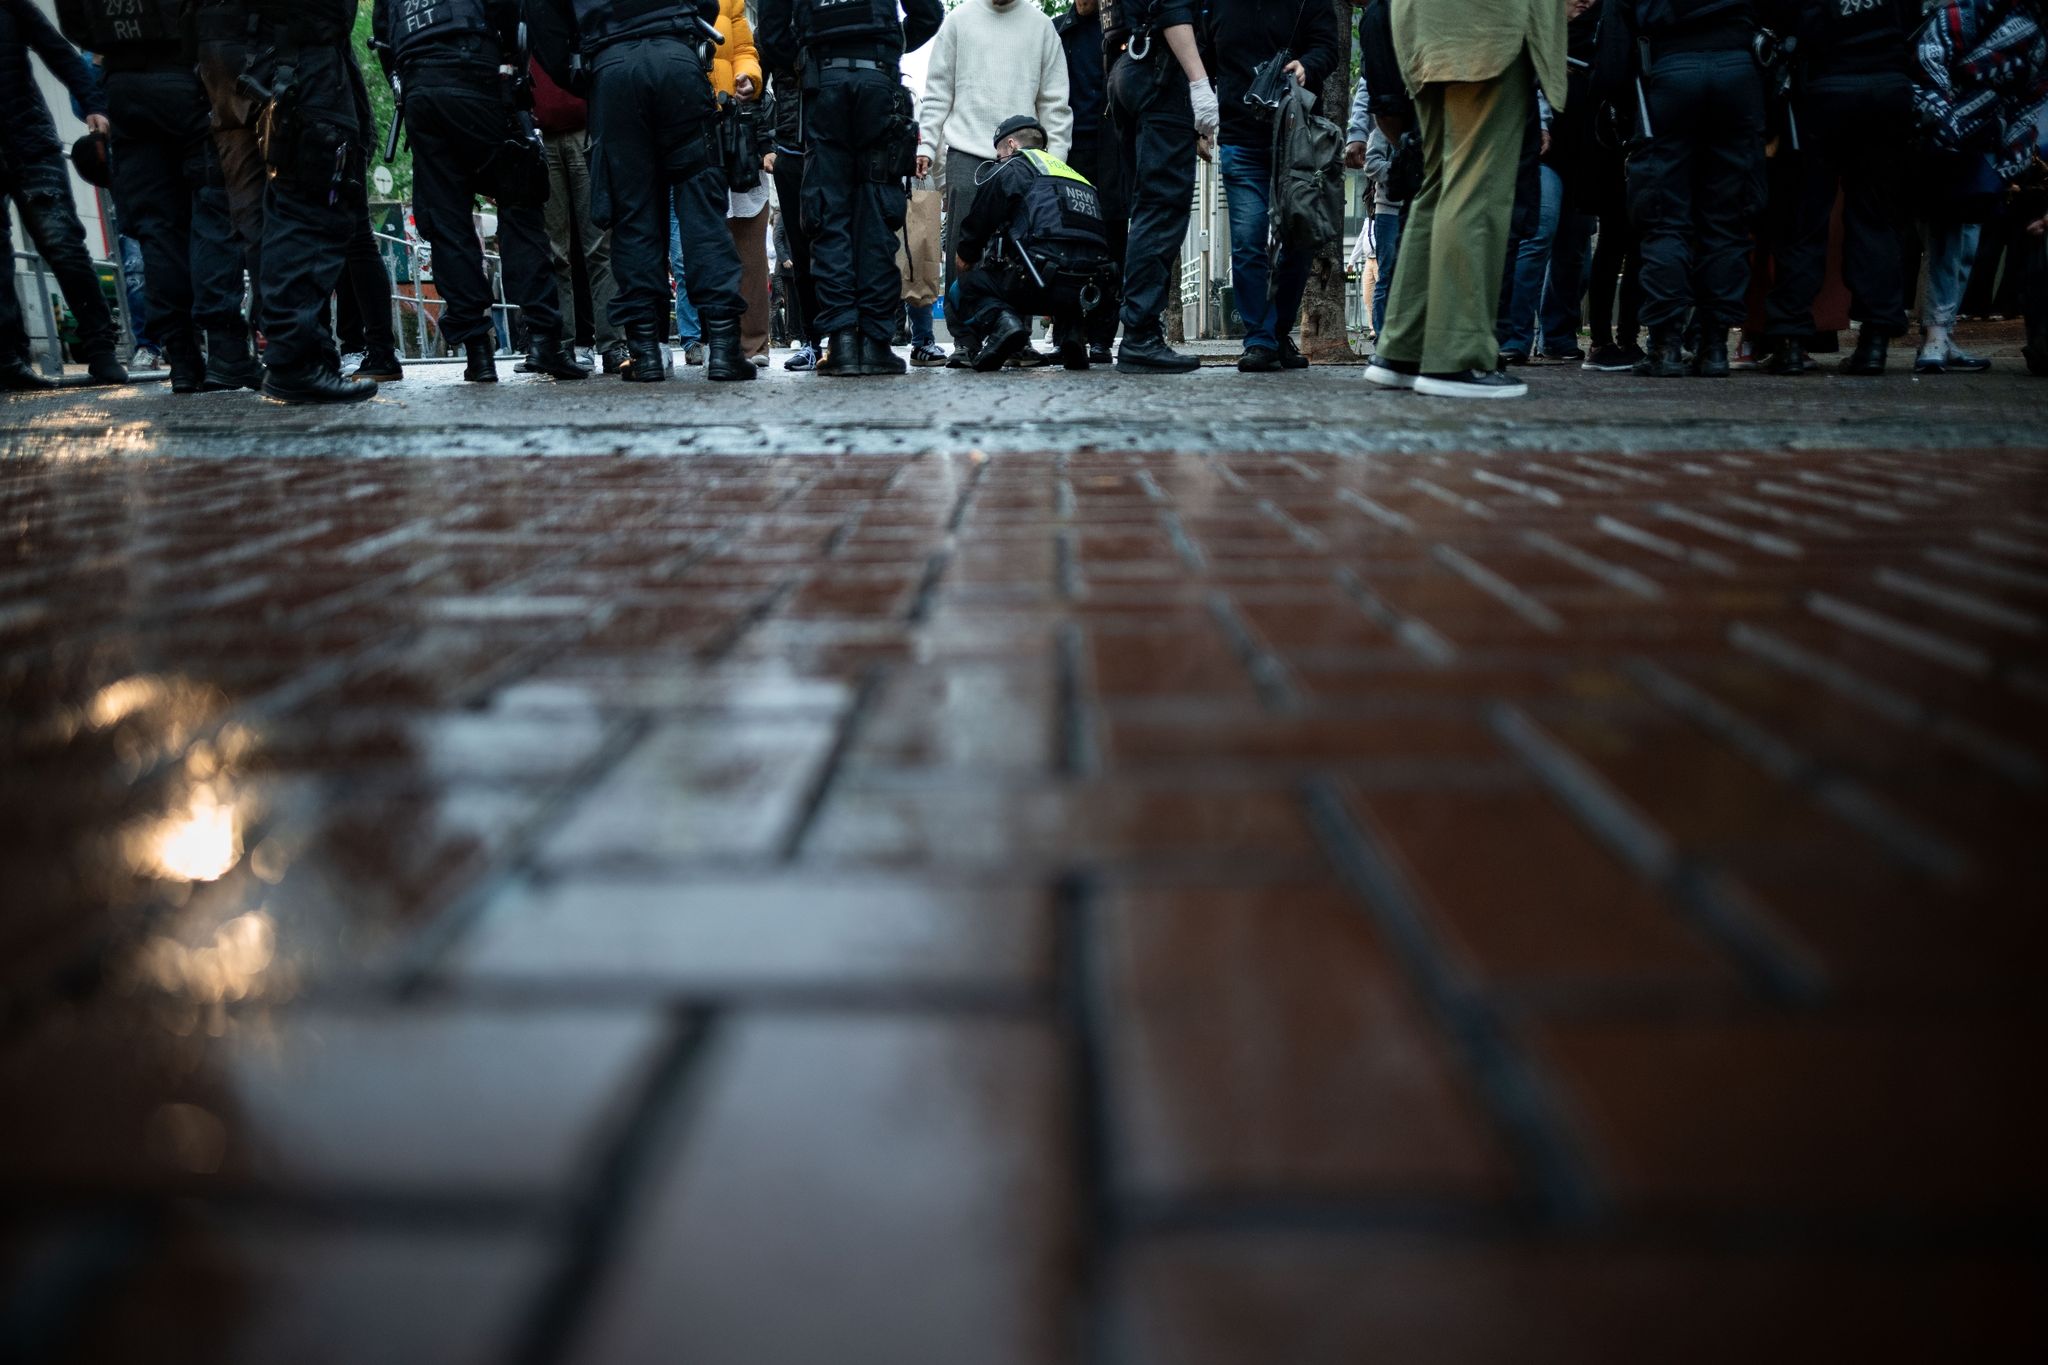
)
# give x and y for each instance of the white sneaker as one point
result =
(1393, 374)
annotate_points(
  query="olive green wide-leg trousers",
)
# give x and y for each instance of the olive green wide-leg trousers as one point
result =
(1454, 244)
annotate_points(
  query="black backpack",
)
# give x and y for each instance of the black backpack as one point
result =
(1308, 175)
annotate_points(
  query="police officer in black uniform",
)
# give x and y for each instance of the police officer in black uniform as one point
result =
(1685, 71)
(1033, 245)
(1854, 110)
(653, 141)
(470, 137)
(303, 97)
(163, 166)
(857, 115)
(1164, 108)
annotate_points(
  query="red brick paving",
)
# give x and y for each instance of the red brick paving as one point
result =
(1101, 907)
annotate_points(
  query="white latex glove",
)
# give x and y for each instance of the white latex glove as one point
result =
(1208, 113)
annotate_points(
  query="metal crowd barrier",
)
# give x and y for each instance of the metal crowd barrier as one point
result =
(416, 315)
(52, 356)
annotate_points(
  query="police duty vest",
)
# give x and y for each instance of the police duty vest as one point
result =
(1059, 212)
(1842, 25)
(417, 24)
(602, 22)
(118, 26)
(835, 23)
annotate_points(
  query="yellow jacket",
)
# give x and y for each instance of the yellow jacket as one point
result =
(736, 56)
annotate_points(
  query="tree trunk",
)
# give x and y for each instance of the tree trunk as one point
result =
(1323, 334)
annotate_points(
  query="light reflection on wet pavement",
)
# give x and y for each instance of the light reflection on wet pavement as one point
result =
(1145, 898)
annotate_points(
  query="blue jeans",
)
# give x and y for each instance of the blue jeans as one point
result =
(1564, 294)
(131, 284)
(1530, 267)
(1951, 251)
(921, 324)
(1268, 291)
(1386, 249)
(688, 330)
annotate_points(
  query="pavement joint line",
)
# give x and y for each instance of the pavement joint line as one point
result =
(603, 1212)
(2000, 755)
(1471, 507)
(1554, 1168)
(1302, 535)
(1783, 516)
(1714, 526)
(1925, 644)
(872, 680)
(1066, 572)
(1895, 835)
(1960, 602)
(1191, 557)
(1074, 721)
(1498, 588)
(1415, 635)
(419, 962)
(1856, 507)
(2000, 543)
(1520, 488)
(1618, 471)
(1714, 902)
(1336, 1213)
(1385, 516)
(1536, 469)
(1670, 549)
(928, 585)
(1269, 675)
(1081, 1011)
(1614, 575)
(1974, 567)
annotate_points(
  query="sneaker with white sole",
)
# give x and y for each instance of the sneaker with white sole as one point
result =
(1393, 374)
(1471, 384)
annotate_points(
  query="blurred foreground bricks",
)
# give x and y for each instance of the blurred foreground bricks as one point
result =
(1196, 908)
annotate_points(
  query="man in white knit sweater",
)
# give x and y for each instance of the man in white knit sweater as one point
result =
(992, 59)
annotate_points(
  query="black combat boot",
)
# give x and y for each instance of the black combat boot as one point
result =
(1005, 335)
(723, 358)
(1872, 349)
(1071, 345)
(483, 360)
(880, 358)
(1789, 358)
(1711, 360)
(646, 357)
(547, 355)
(315, 384)
(1146, 352)
(842, 354)
(18, 376)
(187, 364)
(380, 367)
(102, 368)
(229, 364)
(1666, 357)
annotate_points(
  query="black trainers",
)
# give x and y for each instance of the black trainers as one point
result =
(102, 368)
(380, 367)
(1566, 355)
(804, 357)
(1471, 384)
(1393, 374)
(1258, 360)
(1151, 355)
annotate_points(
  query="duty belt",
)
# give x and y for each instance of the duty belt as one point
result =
(857, 64)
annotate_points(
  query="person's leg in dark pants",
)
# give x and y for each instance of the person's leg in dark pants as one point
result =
(1156, 120)
(1562, 312)
(1875, 122)
(239, 159)
(152, 115)
(1100, 159)
(453, 128)
(42, 195)
(1728, 185)
(803, 301)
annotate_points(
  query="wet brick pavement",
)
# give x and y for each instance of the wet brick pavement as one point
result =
(1028, 869)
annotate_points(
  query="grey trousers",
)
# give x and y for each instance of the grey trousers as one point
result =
(961, 170)
(569, 194)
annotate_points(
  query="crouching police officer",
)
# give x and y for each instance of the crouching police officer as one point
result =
(162, 165)
(857, 116)
(653, 141)
(1036, 227)
(470, 137)
(313, 130)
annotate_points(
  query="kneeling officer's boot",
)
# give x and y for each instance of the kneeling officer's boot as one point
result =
(646, 357)
(723, 359)
(1007, 334)
(546, 355)
(483, 360)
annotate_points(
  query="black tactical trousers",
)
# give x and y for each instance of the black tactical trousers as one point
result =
(40, 187)
(457, 122)
(234, 140)
(311, 208)
(983, 291)
(789, 189)
(1148, 102)
(1696, 185)
(1851, 131)
(644, 159)
(853, 218)
(163, 166)
(1099, 156)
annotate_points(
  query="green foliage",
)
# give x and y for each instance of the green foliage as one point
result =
(382, 111)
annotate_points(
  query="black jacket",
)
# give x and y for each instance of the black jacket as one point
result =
(27, 133)
(1087, 75)
(1386, 91)
(1242, 34)
(775, 31)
